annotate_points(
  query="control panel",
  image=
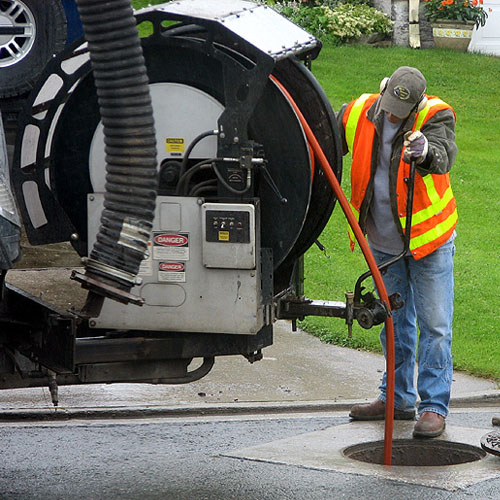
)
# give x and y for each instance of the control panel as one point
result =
(228, 235)
(229, 226)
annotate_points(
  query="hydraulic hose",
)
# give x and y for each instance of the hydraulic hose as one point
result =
(130, 145)
(190, 148)
(379, 283)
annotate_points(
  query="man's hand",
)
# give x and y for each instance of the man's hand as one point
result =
(416, 146)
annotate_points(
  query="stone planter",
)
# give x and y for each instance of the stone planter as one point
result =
(454, 35)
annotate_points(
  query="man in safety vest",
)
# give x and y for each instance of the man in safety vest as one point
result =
(384, 132)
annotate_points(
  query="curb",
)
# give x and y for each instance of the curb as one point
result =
(191, 410)
(200, 410)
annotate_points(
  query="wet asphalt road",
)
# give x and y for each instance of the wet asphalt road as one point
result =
(184, 459)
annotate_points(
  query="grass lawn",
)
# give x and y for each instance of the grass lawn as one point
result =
(471, 84)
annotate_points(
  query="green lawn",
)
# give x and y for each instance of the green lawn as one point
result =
(471, 84)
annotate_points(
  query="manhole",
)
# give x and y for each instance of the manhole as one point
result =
(411, 452)
(491, 443)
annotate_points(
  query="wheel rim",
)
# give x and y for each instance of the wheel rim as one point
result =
(17, 31)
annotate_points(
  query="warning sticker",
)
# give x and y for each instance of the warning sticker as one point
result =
(172, 272)
(171, 246)
(223, 235)
(174, 145)
(146, 267)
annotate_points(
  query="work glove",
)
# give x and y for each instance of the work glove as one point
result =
(416, 146)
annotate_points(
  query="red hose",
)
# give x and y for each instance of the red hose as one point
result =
(377, 277)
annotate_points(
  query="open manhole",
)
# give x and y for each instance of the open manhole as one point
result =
(411, 452)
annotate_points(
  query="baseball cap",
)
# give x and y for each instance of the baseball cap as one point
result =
(403, 91)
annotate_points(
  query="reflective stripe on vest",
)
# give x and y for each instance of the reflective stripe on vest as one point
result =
(353, 118)
(438, 203)
(423, 114)
(434, 233)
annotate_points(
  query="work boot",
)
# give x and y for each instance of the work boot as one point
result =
(429, 425)
(376, 411)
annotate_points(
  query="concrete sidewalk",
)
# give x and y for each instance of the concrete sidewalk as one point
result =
(298, 371)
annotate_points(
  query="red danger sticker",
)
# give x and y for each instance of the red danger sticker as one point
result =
(172, 266)
(171, 247)
(171, 240)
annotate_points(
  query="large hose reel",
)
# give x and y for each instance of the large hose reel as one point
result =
(208, 66)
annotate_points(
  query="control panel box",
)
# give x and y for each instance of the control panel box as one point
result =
(197, 277)
(228, 235)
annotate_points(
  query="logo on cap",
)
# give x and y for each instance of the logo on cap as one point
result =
(402, 93)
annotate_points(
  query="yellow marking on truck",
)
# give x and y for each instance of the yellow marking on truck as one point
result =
(174, 145)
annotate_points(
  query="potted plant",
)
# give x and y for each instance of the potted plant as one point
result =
(453, 21)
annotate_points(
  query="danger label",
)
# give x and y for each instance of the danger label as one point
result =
(171, 246)
(171, 240)
(172, 272)
(174, 145)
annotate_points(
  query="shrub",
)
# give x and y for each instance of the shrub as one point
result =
(348, 21)
(334, 21)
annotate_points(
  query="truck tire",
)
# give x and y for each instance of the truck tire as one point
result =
(31, 31)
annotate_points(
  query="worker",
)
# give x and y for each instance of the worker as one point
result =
(385, 132)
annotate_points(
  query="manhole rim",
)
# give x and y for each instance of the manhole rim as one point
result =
(476, 453)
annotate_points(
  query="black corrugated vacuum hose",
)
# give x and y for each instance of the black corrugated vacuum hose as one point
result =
(130, 146)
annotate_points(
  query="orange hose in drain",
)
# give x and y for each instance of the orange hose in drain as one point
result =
(377, 277)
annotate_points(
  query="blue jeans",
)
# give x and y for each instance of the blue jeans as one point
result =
(426, 286)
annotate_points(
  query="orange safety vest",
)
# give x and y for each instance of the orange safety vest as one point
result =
(434, 214)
